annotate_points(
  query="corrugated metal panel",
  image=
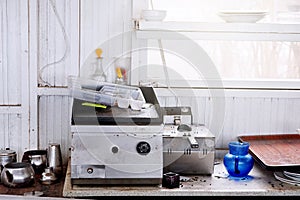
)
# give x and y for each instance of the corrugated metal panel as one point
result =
(11, 133)
(243, 115)
(14, 75)
(54, 50)
(100, 21)
(94, 26)
(102, 25)
(58, 31)
(12, 50)
(54, 123)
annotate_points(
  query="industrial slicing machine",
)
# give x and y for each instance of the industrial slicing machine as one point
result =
(121, 135)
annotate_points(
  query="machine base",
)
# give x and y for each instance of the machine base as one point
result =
(133, 181)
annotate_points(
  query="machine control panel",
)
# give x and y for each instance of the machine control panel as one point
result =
(177, 115)
(185, 130)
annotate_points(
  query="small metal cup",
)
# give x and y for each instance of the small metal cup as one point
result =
(55, 159)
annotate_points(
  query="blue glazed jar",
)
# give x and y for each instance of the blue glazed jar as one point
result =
(238, 162)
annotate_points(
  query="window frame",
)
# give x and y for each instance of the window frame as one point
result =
(212, 31)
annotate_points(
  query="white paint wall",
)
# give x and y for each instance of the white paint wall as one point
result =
(31, 38)
(14, 96)
(55, 45)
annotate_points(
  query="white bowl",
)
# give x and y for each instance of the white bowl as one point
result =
(154, 15)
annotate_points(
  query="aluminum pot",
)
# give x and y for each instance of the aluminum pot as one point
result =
(7, 156)
(17, 174)
(37, 158)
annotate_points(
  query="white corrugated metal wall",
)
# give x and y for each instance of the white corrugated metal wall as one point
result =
(14, 72)
(33, 37)
(56, 43)
(246, 112)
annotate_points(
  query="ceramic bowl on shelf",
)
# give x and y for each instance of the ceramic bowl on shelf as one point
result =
(242, 16)
(154, 15)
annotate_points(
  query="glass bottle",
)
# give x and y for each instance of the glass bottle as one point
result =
(238, 162)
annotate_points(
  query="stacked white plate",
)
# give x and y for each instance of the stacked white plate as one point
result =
(242, 16)
(288, 177)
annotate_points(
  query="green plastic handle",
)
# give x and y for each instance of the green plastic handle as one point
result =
(93, 105)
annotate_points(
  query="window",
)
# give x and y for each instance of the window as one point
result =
(236, 61)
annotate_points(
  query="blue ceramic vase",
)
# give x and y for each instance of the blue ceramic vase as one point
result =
(238, 162)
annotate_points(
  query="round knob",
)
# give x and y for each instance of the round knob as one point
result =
(115, 149)
(143, 148)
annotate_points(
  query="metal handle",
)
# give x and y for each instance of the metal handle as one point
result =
(193, 142)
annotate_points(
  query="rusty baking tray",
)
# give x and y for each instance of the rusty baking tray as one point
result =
(275, 152)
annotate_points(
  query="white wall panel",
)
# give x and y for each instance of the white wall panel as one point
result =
(58, 36)
(94, 26)
(228, 119)
(14, 81)
(102, 24)
(54, 123)
(244, 115)
(13, 49)
(54, 52)
(11, 133)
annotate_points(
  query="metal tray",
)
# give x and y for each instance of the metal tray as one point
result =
(86, 115)
(275, 152)
(109, 94)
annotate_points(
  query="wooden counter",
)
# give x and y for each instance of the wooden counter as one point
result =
(53, 190)
(260, 182)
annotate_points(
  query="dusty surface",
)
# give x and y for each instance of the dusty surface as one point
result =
(260, 182)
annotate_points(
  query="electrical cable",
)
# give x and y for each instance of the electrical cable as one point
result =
(66, 44)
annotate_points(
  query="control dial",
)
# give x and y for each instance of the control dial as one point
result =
(143, 148)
